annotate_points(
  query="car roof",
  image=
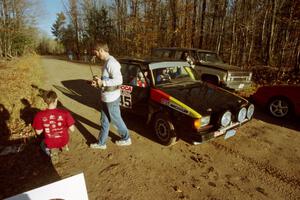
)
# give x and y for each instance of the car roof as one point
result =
(147, 60)
(153, 63)
(183, 49)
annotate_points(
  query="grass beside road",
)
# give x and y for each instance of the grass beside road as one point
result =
(18, 99)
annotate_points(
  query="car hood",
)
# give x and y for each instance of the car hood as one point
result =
(205, 98)
(222, 66)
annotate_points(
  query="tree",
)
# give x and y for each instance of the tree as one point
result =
(17, 32)
(58, 28)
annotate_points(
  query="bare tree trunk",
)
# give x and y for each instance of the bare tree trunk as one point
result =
(264, 38)
(118, 8)
(212, 33)
(297, 53)
(186, 30)
(221, 35)
(252, 31)
(202, 23)
(232, 49)
(193, 44)
(173, 7)
(272, 33)
(2, 27)
(287, 36)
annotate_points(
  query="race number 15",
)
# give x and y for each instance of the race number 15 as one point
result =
(125, 101)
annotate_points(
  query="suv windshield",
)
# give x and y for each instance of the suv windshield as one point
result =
(175, 74)
(209, 57)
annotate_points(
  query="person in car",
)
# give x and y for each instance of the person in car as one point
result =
(163, 76)
(139, 80)
(185, 56)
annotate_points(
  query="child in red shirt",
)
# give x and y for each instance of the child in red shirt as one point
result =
(55, 124)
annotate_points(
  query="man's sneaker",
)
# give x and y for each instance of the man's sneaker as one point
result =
(123, 142)
(97, 146)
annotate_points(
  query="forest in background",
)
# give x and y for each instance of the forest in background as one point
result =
(243, 32)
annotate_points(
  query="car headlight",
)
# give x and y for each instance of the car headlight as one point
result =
(205, 120)
(226, 118)
(250, 111)
(242, 114)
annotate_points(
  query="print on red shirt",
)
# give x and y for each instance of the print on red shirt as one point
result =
(55, 124)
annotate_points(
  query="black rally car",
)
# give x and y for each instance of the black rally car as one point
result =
(177, 105)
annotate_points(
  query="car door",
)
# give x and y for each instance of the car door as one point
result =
(134, 92)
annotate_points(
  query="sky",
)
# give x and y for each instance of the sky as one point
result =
(50, 9)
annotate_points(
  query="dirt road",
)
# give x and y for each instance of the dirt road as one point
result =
(261, 162)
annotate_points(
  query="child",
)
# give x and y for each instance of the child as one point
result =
(55, 124)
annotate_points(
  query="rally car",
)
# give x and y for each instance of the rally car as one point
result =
(172, 99)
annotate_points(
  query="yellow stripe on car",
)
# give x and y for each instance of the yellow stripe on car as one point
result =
(181, 107)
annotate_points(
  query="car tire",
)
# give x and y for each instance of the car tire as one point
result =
(279, 107)
(164, 130)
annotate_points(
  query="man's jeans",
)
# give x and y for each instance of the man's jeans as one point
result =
(110, 112)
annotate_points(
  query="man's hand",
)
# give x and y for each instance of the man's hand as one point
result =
(98, 81)
(94, 83)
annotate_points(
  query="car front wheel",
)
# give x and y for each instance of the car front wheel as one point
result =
(279, 107)
(164, 130)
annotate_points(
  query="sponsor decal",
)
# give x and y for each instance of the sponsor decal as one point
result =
(126, 88)
(174, 106)
(178, 108)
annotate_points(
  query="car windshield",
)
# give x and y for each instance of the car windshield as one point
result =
(209, 57)
(173, 75)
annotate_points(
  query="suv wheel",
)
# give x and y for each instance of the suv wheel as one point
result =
(164, 130)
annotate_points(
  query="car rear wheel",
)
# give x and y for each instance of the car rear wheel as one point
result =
(279, 107)
(164, 130)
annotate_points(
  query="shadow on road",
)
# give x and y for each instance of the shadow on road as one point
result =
(28, 112)
(24, 167)
(138, 125)
(291, 122)
(79, 90)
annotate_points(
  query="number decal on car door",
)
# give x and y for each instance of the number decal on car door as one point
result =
(126, 101)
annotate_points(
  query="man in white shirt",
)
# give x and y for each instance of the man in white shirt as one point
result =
(111, 79)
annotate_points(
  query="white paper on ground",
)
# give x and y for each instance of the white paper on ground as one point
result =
(70, 188)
